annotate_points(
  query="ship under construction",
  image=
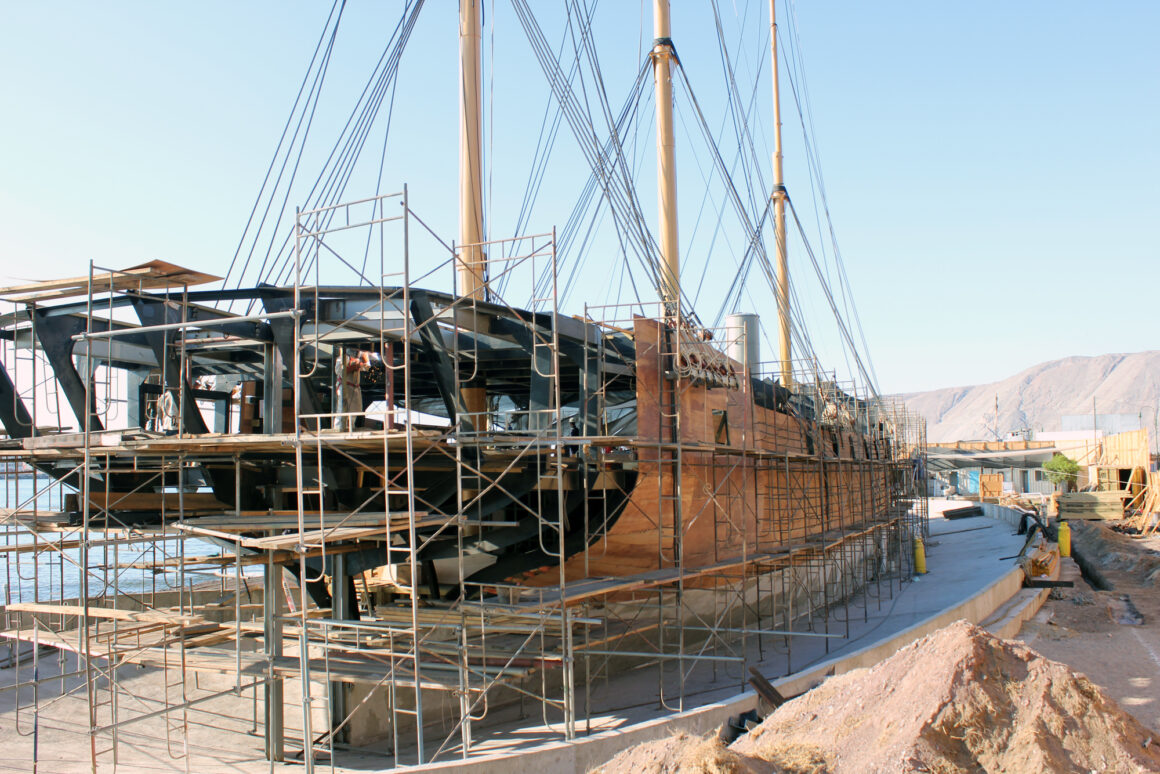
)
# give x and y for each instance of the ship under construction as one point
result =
(388, 513)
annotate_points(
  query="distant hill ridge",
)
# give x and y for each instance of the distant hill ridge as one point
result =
(1038, 396)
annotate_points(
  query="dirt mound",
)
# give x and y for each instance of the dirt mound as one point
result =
(1111, 551)
(679, 754)
(958, 700)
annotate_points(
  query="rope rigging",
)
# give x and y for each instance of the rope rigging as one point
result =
(343, 166)
(607, 203)
(277, 262)
(611, 170)
(315, 86)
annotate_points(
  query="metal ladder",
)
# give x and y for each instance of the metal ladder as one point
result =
(669, 462)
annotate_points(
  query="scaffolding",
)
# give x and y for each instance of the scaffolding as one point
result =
(337, 563)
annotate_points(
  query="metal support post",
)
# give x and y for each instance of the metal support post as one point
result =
(272, 390)
(343, 604)
(271, 614)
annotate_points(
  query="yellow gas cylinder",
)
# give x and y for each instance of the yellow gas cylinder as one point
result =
(1064, 539)
(919, 557)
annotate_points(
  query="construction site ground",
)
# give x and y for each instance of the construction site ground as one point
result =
(1091, 630)
(963, 556)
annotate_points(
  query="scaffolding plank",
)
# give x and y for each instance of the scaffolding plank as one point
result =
(143, 616)
(146, 276)
(312, 538)
(54, 640)
(33, 519)
(148, 501)
(394, 521)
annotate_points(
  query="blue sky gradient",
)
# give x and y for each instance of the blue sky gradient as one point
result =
(992, 168)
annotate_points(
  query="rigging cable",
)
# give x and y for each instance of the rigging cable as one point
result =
(332, 181)
(624, 206)
(314, 87)
(815, 166)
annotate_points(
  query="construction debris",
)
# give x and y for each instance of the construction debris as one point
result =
(1144, 507)
(968, 512)
(958, 700)
(1122, 611)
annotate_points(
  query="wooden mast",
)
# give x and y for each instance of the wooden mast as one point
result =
(472, 267)
(779, 197)
(662, 56)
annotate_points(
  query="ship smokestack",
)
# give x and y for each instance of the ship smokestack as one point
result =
(744, 331)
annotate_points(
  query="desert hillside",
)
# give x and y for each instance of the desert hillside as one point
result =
(1038, 396)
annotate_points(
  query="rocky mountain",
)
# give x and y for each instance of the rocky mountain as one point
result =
(1038, 396)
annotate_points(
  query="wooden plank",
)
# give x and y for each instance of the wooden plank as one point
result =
(312, 538)
(54, 640)
(61, 284)
(33, 519)
(228, 559)
(44, 544)
(148, 501)
(765, 689)
(108, 438)
(1093, 505)
(393, 521)
(145, 276)
(144, 616)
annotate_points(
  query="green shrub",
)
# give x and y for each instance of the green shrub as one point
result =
(1061, 470)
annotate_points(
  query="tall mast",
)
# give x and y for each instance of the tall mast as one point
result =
(472, 266)
(784, 352)
(662, 56)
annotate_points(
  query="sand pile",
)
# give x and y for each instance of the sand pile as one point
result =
(958, 700)
(681, 754)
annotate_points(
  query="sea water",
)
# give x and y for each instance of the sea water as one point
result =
(54, 573)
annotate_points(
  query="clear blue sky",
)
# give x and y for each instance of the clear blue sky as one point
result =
(992, 167)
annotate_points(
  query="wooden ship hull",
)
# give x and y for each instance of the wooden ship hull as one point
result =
(651, 447)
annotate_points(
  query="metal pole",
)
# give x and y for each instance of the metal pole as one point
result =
(340, 611)
(86, 515)
(113, 333)
(569, 657)
(409, 451)
(303, 600)
(271, 614)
